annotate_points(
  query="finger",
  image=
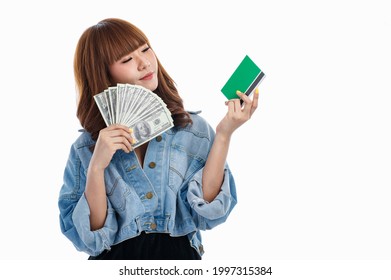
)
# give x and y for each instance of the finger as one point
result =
(131, 137)
(244, 97)
(247, 101)
(231, 106)
(254, 105)
(118, 127)
(237, 105)
(123, 141)
(123, 147)
(122, 131)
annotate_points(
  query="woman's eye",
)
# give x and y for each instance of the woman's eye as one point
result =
(147, 48)
(127, 60)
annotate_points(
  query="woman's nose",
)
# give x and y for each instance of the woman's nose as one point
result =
(144, 63)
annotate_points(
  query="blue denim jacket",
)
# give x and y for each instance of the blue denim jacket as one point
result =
(163, 196)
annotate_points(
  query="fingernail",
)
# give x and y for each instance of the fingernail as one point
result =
(238, 92)
(256, 91)
(133, 141)
(130, 130)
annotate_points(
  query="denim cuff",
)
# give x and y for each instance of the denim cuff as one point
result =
(98, 240)
(216, 209)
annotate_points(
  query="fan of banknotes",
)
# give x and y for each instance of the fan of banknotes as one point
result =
(136, 107)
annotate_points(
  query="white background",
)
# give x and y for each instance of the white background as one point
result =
(312, 166)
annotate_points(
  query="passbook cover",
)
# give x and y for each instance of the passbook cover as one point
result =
(245, 78)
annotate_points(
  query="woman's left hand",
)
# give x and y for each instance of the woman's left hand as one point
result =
(237, 115)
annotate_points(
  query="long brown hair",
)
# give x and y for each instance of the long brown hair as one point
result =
(101, 45)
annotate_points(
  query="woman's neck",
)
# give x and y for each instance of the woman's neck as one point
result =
(140, 152)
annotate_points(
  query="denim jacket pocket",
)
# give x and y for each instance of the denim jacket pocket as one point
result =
(121, 194)
(182, 167)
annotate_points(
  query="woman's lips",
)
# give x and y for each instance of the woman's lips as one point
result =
(149, 76)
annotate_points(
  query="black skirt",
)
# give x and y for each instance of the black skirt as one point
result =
(151, 246)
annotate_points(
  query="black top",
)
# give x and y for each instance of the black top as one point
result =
(151, 246)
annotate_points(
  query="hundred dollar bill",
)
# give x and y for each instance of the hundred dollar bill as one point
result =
(120, 101)
(108, 104)
(136, 107)
(148, 128)
(103, 108)
(112, 94)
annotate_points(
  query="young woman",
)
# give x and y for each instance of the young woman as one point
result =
(151, 202)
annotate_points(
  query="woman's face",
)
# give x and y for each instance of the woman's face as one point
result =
(137, 68)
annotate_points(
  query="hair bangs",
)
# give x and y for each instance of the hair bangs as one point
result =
(118, 39)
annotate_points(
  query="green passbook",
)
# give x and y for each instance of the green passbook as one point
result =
(245, 78)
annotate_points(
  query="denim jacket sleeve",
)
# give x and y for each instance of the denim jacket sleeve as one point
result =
(211, 214)
(75, 212)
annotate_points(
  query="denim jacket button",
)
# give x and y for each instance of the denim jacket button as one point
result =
(149, 195)
(152, 164)
(131, 167)
(153, 226)
(159, 138)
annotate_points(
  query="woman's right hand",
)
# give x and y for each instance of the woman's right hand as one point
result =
(111, 139)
